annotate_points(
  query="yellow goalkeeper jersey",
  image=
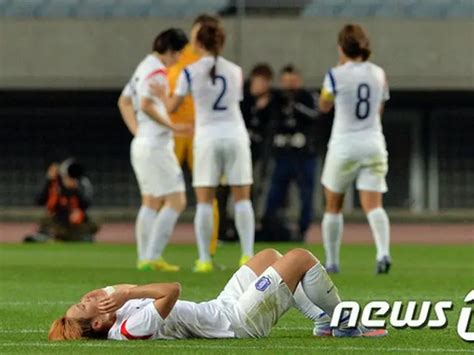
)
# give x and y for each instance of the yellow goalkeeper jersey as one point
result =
(185, 113)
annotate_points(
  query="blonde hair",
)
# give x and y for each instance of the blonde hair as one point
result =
(67, 329)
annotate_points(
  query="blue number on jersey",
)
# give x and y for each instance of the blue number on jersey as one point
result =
(218, 105)
(363, 104)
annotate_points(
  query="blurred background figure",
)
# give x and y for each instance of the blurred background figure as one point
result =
(260, 111)
(294, 152)
(66, 194)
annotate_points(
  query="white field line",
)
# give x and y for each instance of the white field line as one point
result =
(175, 345)
(35, 303)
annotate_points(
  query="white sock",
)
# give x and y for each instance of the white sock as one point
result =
(320, 289)
(380, 226)
(145, 218)
(203, 221)
(161, 231)
(332, 234)
(245, 224)
(309, 309)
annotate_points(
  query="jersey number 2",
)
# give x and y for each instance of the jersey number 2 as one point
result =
(363, 103)
(217, 104)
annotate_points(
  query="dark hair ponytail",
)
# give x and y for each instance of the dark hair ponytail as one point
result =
(354, 42)
(212, 37)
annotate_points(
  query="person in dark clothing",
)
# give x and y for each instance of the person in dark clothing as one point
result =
(66, 194)
(260, 111)
(294, 151)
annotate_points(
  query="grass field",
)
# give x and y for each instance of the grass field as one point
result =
(38, 282)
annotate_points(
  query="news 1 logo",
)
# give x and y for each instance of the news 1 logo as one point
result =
(410, 319)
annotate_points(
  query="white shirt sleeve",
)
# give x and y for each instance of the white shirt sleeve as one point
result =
(241, 87)
(183, 85)
(329, 83)
(127, 90)
(386, 90)
(158, 78)
(142, 324)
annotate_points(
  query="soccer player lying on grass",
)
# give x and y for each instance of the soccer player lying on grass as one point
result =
(254, 299)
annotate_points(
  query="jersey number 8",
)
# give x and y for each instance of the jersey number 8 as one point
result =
(217, 104)
(363, 103)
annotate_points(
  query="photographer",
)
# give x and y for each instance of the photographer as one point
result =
(66, 194)
(260, 111)
(295, 154)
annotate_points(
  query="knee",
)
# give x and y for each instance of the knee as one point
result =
(177, 202)
(302, 256)
(271, 254)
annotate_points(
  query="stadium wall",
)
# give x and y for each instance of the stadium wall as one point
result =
(75, 53)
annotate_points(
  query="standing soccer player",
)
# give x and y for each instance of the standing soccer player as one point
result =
(183, 143)
(157, 170)
(221, 142)
(357, 151)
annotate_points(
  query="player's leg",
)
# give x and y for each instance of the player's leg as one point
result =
(276, 286)
(139, 157)
(145, 217)
(332, 227)
(267, 257)
(371, 185)
(238, 172)
(166, 182)
(244, 221)
(338, 173)
(206, 174)
(203, 224)
(248, 273)
(162, 229)
(215, 227)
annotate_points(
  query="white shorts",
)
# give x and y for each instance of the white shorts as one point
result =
(366, 162)
(156, 168)
(215, 158)
(254, 303)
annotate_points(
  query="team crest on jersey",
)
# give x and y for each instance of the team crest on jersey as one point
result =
(263, 283)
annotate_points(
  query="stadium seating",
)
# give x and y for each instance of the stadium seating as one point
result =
(437, 9)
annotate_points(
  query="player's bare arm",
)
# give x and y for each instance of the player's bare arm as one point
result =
(164, 294)
(148, 106)
(326, 102)
(125, 106)
(172, 103)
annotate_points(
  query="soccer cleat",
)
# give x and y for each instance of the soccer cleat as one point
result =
(156, 265)
(359, 331)
(203, 266)
(322, 330)
(322, 326)
(332, 269)
(244, 259)
(383, 266)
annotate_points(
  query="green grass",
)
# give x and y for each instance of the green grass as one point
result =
(37, 282)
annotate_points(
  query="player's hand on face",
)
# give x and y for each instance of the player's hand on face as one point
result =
(95, 294)
(113, 302)
(158, 90)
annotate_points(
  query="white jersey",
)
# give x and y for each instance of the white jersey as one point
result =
(139, 319)
(359, 89)
(150, 70)
(217, 105)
